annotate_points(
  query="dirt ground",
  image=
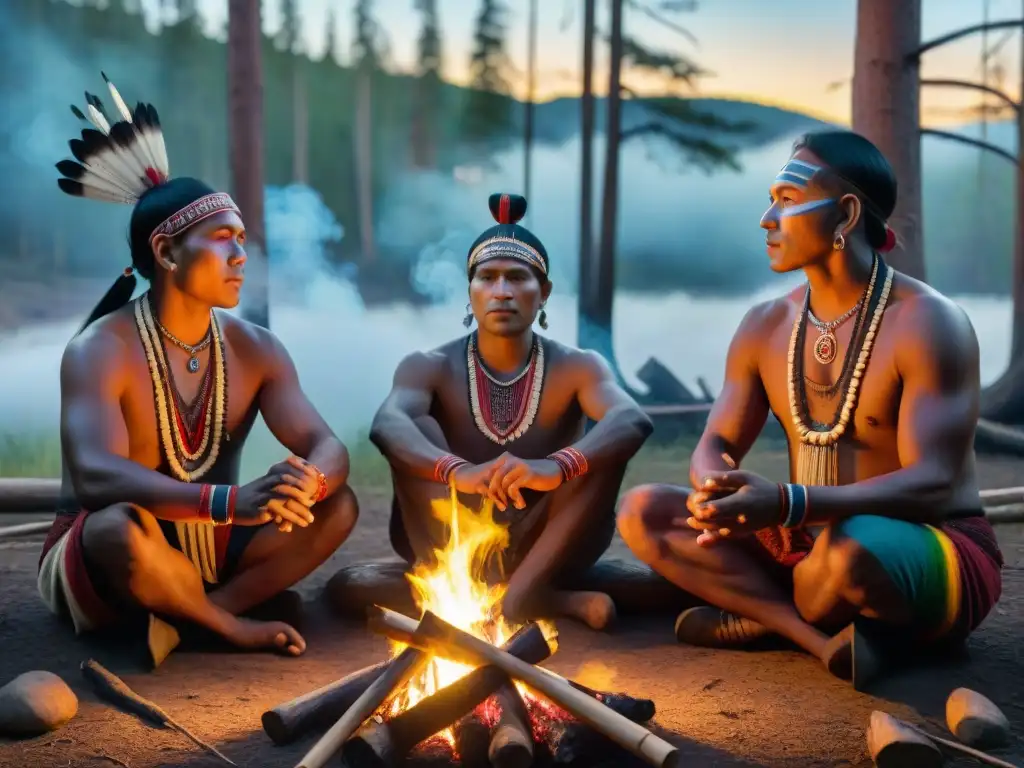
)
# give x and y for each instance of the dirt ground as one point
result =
(774, 708)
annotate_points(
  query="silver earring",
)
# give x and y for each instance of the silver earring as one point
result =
(468, 319)
(839, 243)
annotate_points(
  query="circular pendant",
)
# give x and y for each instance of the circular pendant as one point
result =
(193, 364)
(825, 348)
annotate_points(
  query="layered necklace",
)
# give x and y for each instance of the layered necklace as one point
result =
(504, 410)
(190, 435)
(818, 456)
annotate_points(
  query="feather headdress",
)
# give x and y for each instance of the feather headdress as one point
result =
(119, 160)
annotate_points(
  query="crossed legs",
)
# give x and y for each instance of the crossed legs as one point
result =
(835, 583)
(136, 568)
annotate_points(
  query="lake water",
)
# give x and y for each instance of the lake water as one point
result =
(346, 354)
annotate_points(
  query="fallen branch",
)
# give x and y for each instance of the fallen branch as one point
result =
(24, 529)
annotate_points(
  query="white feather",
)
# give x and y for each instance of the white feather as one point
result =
(119, 103)
(97, 166)
(153, 141)
(96, 182)
(122, 166)
(98, 120)
(94, 193)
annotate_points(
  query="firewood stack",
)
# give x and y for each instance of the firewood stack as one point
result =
(482, 720)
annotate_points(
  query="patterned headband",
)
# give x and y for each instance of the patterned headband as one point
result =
(504, 247)
(195, 212)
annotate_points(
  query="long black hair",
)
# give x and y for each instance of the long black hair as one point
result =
(151, 210)
(860, 163)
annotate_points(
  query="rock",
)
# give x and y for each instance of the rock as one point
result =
(34, 703)
(975, 720)
(892, 744)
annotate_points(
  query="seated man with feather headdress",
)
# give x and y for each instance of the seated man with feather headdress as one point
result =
(158, 396)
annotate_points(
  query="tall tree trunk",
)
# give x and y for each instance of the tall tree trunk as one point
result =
(531, 67)
(585, 309)
(886, 110)
(364, 161)
(604, 269)
(1017, 343)
(300, 125)
(245, 127)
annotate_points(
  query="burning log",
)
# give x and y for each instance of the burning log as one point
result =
(407, 664)
(473, 739)
(385, 745)
(512, 737)
(442, 638)
(320, 708)
(637, 710)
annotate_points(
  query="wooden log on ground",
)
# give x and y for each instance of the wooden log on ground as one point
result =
(24, 529)
(28, 494)
(998, 497)
(385, 745)
(1011, 513)
(319, 709)
(512, 737)
(355, 588)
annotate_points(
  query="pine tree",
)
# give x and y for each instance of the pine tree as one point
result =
(487, 107)
(428, 89)
(289, 36)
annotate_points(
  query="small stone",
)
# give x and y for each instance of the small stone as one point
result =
(34, 703)
(976, 720)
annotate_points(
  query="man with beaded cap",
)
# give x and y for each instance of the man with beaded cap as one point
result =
(158, 396)
(874, 377)
(501, 414)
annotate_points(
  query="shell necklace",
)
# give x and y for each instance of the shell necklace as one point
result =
(818, 456)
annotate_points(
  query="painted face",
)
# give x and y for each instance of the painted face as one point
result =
(800, 219)
(211, 260)
(506, 295)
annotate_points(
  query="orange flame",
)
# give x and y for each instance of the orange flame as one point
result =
(455, 589)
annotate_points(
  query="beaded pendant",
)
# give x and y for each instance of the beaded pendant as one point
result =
(503, 411)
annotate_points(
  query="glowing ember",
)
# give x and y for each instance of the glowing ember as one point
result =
(455, 589)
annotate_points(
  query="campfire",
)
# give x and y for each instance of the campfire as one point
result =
(462, 686)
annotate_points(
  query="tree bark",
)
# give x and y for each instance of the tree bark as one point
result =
(599, 327)
(585, 288)
(1017, 343)
(886, 110)
(300, 125)
(531, 67)
(364, 161)
(245, 127)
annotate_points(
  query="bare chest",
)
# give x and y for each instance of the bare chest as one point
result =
(467, 420)
(152, 409)
(823, 389)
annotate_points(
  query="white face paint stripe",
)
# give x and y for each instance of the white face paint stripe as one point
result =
(802, 208)
(796, 172)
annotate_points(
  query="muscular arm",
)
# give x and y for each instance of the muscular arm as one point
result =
(938, 363)
(394, 429)
(741, 408)
(622, 427)
(293, 420)
(94, 436)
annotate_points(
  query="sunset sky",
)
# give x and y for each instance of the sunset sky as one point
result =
(799, 54)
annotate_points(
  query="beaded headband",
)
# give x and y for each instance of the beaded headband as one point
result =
(503, 247)
(195, 212)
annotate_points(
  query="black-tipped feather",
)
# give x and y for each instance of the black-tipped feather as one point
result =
(79, 114)
(71, 169)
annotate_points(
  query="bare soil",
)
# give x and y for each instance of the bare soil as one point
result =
(775, 708)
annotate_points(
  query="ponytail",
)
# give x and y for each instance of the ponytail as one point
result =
(119, 294)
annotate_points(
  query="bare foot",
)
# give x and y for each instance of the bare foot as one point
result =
(261, 635)
(595, 609)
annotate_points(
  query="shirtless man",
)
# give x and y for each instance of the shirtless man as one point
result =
(882, 464)
(501, 413)
(157, 398)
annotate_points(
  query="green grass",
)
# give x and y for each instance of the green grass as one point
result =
(38, 455)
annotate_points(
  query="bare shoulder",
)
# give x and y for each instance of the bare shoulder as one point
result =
(930, 325)
(424, 369)
(585, 363)
(758, 325)
(101, 350)
(253, 343)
